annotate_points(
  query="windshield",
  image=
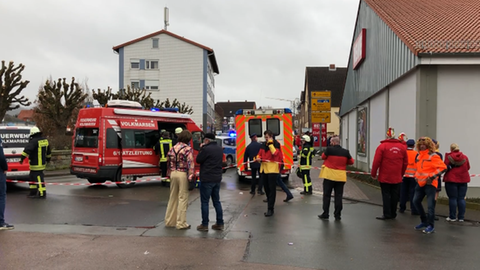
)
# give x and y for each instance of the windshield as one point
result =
(86, 137)
(14, 138)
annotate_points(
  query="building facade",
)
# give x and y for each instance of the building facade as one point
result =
(171, 66)
(226, 112)
(409, 71)
(322, 79)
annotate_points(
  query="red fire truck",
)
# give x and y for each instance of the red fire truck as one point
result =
(116, 142)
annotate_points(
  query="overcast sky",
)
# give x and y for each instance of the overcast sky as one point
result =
(262, 47)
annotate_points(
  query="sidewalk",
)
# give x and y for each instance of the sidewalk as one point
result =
(361, 192)
(57, 172)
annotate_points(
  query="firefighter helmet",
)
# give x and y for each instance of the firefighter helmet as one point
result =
(34, 130)
(306, 138)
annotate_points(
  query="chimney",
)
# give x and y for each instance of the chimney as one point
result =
(332, 67)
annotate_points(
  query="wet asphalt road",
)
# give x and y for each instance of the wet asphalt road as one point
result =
(294, 236)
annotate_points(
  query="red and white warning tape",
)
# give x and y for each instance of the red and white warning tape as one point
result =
(166, 178)
(90, 184)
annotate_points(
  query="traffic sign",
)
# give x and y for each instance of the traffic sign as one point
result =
(321, 117)
(321, 94)
(321, 104)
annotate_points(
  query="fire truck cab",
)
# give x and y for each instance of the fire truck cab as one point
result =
(14, 140)
(116, 142)
(279, 121)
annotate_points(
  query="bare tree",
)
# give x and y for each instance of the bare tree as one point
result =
(11, 85)
(103, 96)
(57, 107)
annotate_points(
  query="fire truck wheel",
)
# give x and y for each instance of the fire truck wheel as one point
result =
(123, 179)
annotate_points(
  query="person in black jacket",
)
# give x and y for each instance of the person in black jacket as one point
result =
(251, 153)
(3, 190)
(39, 154)
(210, 160)
(161, 148)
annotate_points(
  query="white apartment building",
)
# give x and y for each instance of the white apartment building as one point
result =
(171, 66)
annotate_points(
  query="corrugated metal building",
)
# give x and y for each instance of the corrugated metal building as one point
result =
(414, 66)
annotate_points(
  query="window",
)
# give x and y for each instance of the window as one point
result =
(273, 124)
(151, 64)
(139, 138)
(151, 85)
(155, 43)
(197, 138)
(86, 137)
(135, 84)
(229, 142)
(255, 127)
(135, 63)
(113, 141)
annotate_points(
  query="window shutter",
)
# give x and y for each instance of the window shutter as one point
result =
(142, 63)
(142, 82)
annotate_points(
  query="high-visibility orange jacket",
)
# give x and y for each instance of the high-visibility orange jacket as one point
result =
(411, 166)
(429, 167)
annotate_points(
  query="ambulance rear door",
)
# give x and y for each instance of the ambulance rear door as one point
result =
(86, 146)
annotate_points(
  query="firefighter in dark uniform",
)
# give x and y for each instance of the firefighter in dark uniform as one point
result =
(305, 164)
(39, 154)
(161, 148)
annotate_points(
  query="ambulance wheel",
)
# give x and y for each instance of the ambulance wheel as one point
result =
(241, 178)
(124, 179)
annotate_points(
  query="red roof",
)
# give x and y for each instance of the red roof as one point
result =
(433, 26)
(211, 56)
(25, 114)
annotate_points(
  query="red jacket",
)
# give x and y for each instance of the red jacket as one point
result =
(271, 162)
(390, 161)
(459, 167)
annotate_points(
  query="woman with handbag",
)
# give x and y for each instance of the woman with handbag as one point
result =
(181, 172)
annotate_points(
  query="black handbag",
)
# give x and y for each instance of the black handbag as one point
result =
(192, 184)
(298, 172)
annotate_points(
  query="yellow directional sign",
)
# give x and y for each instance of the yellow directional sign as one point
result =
(321, 117)
(321, 94)
(321, 104)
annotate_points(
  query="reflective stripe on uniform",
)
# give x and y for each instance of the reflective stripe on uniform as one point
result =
(168, 142)
(307, 157)
(307, 185)
(41, 187)
(410, 172)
